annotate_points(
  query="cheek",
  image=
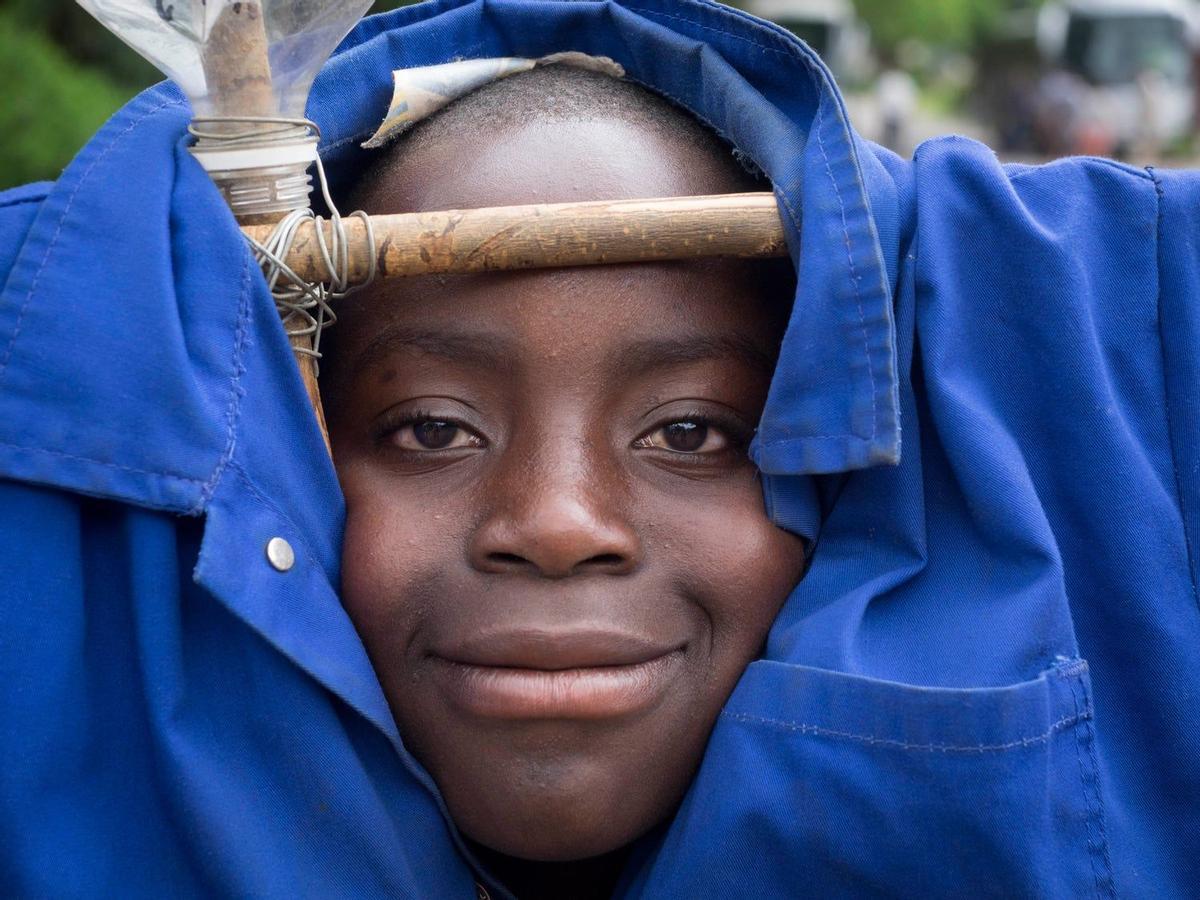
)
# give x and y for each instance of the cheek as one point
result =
(740, 567)
(393, 539)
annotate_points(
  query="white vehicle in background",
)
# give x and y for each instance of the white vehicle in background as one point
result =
(830, 27)
(1132, 67)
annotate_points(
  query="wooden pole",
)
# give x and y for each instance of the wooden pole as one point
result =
(549, 236)
(237, 70)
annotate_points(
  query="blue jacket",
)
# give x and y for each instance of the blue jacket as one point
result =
(985, 414)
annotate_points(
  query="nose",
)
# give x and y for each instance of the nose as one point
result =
(555, 522)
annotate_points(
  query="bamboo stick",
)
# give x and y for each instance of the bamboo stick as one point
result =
(237, 70)
(550, 235)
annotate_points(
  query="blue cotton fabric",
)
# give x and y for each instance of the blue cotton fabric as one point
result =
(985, 417)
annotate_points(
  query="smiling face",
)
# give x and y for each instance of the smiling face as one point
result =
(556, 551)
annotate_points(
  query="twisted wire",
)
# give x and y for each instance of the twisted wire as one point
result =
(258, 131)
(304, 307)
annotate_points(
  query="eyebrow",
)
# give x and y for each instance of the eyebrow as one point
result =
(487, 351)
(472, 348)
(643, 357)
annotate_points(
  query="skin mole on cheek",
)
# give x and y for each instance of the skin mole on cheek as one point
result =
(556, 550)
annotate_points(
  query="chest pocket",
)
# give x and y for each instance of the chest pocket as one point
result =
(820, 784)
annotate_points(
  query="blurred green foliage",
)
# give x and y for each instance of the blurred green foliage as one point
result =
(65, 74)
(55, 107)
(949, 24)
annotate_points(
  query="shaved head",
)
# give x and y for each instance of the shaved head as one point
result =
(550, 96)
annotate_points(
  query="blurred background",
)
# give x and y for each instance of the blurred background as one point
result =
(1035, 79)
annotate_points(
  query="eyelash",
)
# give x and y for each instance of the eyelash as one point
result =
(734, 432)
(398, 420)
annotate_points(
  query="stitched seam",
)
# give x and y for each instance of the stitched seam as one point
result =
(62, 219)
(793, 54)
(1171, 431)
(862, 319)
(9, 204)
(724, 34)
(234, 406)
(1109, 880)
(98, 462)
(1104, 885)
(1087, 800)
(791, 213)
(266, 501)
(805, 728)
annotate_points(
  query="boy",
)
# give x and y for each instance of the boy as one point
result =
(921, 720)
(556, 550)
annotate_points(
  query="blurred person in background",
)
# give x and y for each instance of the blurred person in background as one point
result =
(896, 96)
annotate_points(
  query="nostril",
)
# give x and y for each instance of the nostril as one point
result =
(509, 562)
(606, 560)
(508, 559)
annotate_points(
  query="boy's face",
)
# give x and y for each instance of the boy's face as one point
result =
(556, 551)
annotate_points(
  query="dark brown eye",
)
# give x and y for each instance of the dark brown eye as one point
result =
(685, 437)
(435, 435)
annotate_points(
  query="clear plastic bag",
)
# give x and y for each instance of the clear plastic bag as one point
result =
(233, 57)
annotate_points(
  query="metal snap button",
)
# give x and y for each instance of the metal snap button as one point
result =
(280, 554)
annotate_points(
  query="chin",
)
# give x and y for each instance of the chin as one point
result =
(553, 840)
(557, 850)
(563, 813)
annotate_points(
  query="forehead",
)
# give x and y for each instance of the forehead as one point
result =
(544, 161)
(591, 311)
(598, 318)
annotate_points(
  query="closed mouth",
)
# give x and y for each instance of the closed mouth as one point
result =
(566, 692)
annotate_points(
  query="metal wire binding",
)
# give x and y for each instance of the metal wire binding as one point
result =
(303, 306)
(260, 131)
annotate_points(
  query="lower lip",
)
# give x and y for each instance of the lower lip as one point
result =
(594, 693)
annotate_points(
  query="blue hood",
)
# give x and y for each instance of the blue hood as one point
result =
(923, 719)
(833, 407)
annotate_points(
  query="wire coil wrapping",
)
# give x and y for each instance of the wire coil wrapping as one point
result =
(304, 306)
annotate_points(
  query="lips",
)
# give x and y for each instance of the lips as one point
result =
(547, 675)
